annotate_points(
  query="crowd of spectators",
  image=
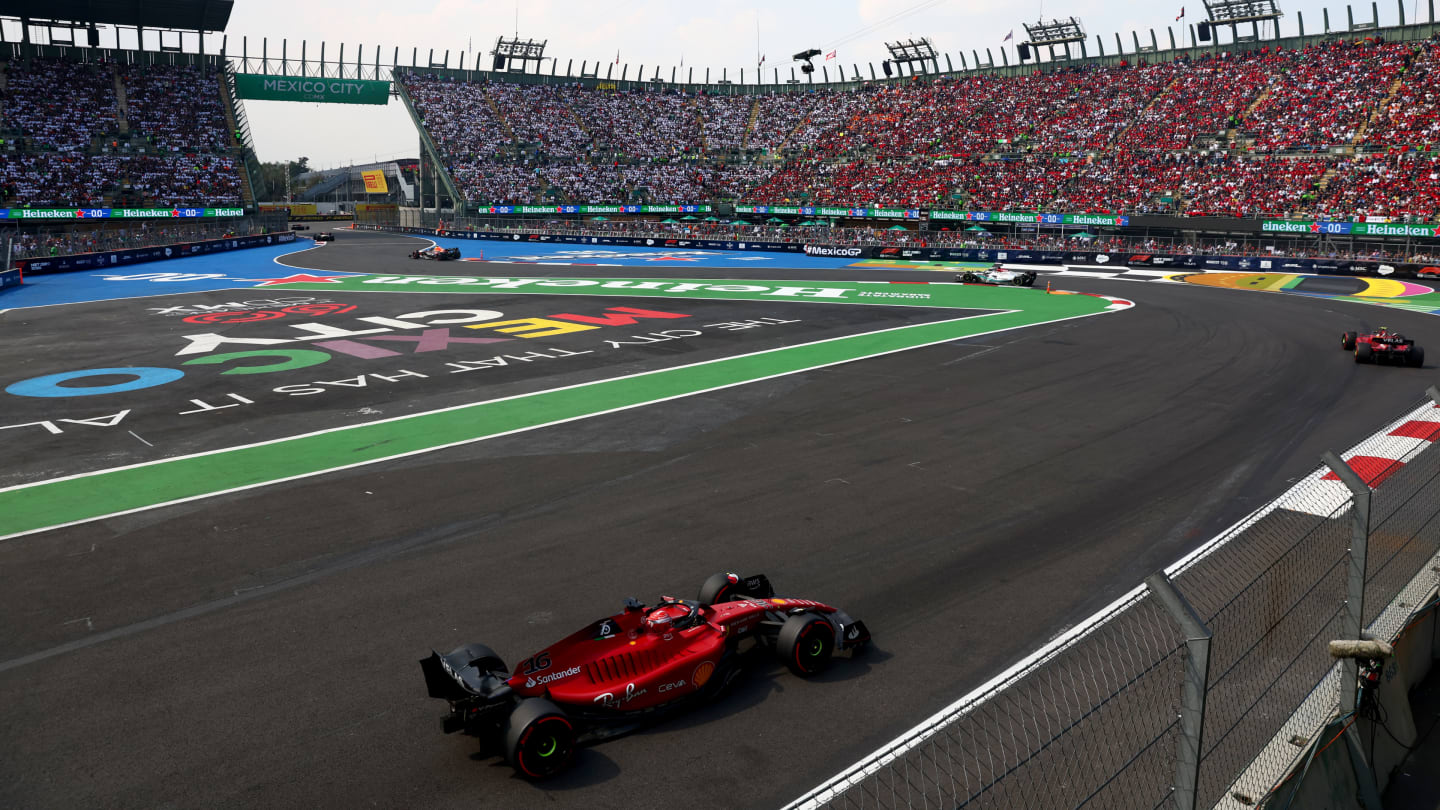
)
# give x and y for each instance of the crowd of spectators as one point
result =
(1394, 187)
(177, 109)
(1412, 116)
(58, 106)
(1327, 94)
(68, 141)
(1231, 133)
(57, 178)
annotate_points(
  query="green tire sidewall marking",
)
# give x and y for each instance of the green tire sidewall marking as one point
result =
(46, 504)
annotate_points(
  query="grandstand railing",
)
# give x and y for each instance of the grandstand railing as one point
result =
(1193, 689)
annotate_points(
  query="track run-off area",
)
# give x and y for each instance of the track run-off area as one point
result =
(245, 494)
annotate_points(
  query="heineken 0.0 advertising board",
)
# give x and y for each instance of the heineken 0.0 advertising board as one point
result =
(300, 88)
(118, 213)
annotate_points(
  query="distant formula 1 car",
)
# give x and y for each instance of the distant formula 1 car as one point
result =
(324, 236)
(299, 227)
(436, 253)
(625, 670)
(1383, 346)
(998, 276)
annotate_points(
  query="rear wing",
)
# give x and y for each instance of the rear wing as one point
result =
(443, 677)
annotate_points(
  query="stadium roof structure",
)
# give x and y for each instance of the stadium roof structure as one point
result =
(181, 15)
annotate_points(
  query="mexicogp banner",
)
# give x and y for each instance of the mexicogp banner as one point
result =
(300, 88)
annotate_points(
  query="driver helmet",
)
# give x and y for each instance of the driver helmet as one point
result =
(669, 617)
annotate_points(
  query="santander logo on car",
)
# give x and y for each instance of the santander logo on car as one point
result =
(533, 682)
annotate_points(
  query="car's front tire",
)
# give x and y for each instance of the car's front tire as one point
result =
(1347, 341)
(539, 739)
(719, 588)
(806, 644)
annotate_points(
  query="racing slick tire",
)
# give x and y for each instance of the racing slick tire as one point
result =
(539, 739)
(1347, 341)
(1364, 354)
(481, 657)
(1026, 279)
(806, 644)
(719, 588)
(1416, 357)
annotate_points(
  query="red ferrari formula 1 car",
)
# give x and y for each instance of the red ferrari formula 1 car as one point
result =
(1383, 346)
(436, 253)
(625, 670)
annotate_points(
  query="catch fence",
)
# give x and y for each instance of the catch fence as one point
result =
(1203, 687)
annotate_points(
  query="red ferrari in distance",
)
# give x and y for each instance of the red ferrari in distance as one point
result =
(625, 670)
(1383, 346)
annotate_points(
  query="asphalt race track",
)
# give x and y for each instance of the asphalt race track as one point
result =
(968, 500)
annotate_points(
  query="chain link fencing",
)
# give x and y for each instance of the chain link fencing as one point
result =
(1098, 718)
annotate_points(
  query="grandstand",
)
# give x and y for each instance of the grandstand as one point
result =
(1337, 126)
(113, 134)
(1340, 127)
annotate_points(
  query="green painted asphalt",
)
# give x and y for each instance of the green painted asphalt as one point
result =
(47, 504)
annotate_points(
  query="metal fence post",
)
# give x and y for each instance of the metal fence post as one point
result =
(1355, 591)
(1192, 694)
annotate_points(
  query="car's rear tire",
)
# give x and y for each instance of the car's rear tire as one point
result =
(1364, 354)
(1347, 341)
(1417, 357)
(719, 588)
(539, 739)
(806, 644)
(1027, 280)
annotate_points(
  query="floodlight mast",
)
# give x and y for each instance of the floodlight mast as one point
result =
(1055, 33)
(1235, 12)
(1229, 12)
(509, 53)
(915, 52)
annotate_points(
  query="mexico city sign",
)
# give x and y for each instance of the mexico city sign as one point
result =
(301, 88)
